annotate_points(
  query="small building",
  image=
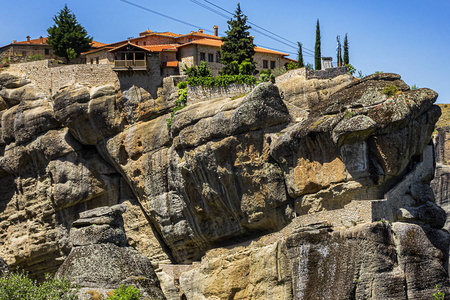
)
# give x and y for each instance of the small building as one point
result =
(23, 50)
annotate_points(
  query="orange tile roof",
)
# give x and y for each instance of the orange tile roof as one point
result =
(96, 44)
(218, 43)
(166, 33)
(97, 50)
(170, 64)
(159, 48)
(34, 41)
(192, 33)
(43, 41)
(150, 48)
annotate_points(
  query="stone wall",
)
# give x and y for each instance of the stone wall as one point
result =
(202, 93)
(50, 76)
(324, 74)
(104, 58)
(148, 80)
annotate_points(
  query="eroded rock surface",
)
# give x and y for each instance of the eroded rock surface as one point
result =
(369, 261)
(101, 260)
(227, 170)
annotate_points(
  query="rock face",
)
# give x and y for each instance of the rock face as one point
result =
(228, 170)
(101, 260)
(369, 261)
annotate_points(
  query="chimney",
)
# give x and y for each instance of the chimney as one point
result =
(200, 30)
(15, 41)
(28, 38)
(216, 30)
(41, 39)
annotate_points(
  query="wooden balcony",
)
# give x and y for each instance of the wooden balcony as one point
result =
(130, 65)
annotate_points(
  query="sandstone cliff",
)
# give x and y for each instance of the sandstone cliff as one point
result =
(335, 150)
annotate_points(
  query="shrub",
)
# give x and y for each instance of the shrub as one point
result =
(438, 295)
(279, 71)
(414, 87)
(34, 57)
(126, 293)
(390, 90)
(291, 66)
(18, 286)
(309, 66)
(266, 76)
(222, 80)
(182, 85)
(350, 69)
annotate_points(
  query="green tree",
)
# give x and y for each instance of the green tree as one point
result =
(339, 54)
(237, 45)
(317, 53)
(68, 38)
(346, 59)
(300, 62)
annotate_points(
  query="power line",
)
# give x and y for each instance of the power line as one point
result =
(197, 26)
(163, 15)
(251, 23)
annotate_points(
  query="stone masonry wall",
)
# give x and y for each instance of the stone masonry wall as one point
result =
(50, 77)
(202, 93)
(324, 74)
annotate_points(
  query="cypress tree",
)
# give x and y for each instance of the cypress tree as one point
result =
(346, 59)
(339, 53)
(300, 62)
(317, 53)
(68, 38)
(237, 45)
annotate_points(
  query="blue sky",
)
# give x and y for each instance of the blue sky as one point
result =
(410, 38)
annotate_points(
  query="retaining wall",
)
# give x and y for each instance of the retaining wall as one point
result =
(50, 76)
(203, 93)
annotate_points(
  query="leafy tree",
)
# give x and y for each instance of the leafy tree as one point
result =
(346, 59)
(317, 52)
(68, 38)
(237, 46)
(300, 62)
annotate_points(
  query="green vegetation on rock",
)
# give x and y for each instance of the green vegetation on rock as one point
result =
(390, 90)
(126, 293)
(19, 286)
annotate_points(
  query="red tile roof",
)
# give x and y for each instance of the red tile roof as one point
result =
(218, 43)
(166, 33)
(43, 41)
(170, 64)
(150, 48)
(205, 35)
(159, 48)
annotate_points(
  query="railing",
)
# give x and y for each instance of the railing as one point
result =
(130, 64)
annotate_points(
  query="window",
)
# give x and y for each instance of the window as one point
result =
(217, 57)
(202, 56)
(145, 43)
(47, 51)
(210, 57)
(92, 61)
(24, 53)
(272, 64)
(265, 64)
(190, 40)
(96, 60)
